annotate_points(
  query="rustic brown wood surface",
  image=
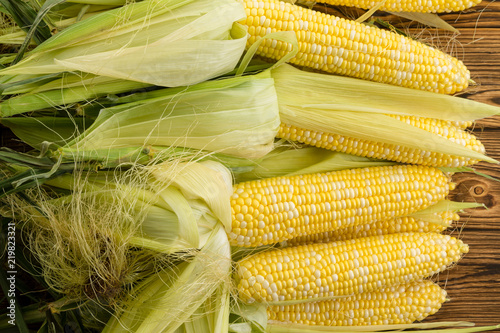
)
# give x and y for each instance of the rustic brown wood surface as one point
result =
(474, 284)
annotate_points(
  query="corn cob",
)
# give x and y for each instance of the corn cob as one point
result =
(277, 209)
(397, 225)
(344, 268)
(345, 47)
(402, 304)
(366, 148)
(408, 6)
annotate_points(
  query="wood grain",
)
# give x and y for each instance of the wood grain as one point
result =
(474, 284)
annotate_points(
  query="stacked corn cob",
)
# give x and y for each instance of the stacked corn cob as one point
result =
(373, 120)
(347, 236)
(354, 254)
(334, 45)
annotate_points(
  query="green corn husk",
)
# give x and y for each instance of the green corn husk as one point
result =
(232, 120)
(359, 109)
(167, 301)
(428, 214)
(281, 161)
(288, 161)
(102, 2)
(161, 42)
(59, 18)
(72, 90)
(64, 90)
(212, 316)
(13, 36)
(236, 116)
(36, 84)
(20, 84)
(249, 318)
(429, 19)
(36, 131)
(23, 14)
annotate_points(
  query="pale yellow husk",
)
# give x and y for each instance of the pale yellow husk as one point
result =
(236, 116)
(360, 109)
(162, 42)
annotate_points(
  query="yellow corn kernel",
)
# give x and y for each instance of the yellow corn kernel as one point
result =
(434, 6)
(366, 148)
(344, 268)
(402, 304)
(345, 47)
(274, 210)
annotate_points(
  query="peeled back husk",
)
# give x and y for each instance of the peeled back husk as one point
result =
(360, 109)
(288, 161)
(162, 42)
(236, 116)
(173, 205)
(169, 299)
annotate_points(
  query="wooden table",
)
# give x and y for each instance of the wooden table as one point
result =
(474, 284)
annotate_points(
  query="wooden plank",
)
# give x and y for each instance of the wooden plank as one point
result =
(474, 284)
